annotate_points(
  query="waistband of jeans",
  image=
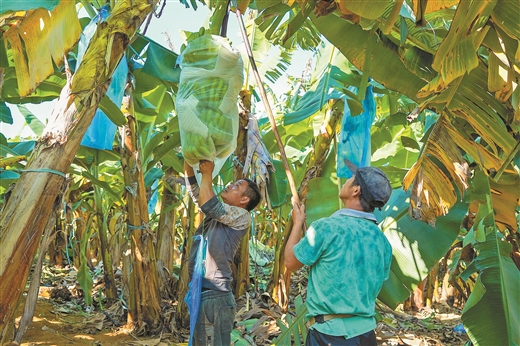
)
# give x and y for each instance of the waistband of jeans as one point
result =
(214, 294)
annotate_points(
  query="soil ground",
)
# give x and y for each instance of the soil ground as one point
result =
(52, 325)
(60, 319)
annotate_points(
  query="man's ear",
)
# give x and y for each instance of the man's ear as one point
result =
(244, 200)
(357, 191)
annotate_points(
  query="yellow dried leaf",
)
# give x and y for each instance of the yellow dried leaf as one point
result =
(483, 156)
(11, 160)
(495, 81)
(431, 194)
(12, 38)
(442, 146)
(47, 36)
(435, 5)
(504, 195)
(435, 86)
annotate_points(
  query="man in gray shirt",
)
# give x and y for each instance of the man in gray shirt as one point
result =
(224, 225)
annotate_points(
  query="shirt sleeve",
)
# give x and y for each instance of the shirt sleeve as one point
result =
(388, 261)
(310, 248)
(193, 188)
(234, 217)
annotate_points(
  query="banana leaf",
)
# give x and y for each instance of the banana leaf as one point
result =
(161, 62)
(353, 42)
(5, 114)
(496, 290)
(278, 187)
(34, 123)
(17, 5)
(495, 294)
(414, 253)
(332, 78)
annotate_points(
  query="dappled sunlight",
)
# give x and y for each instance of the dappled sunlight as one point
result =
(311, 236)
(84, 337)
(411, 264)
(52, 326)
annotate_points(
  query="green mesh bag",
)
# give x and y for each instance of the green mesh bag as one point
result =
(211, 78)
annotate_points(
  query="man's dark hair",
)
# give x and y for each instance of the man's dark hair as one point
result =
(366, 207)
(253, 192)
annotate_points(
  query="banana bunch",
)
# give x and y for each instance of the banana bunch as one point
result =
(220, 127)
(204, 55)
(211, 92)
(211, 77)
(196, 147)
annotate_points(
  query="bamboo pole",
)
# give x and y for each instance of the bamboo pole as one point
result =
(263, 95)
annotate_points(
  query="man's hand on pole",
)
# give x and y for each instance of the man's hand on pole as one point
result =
(298, 216)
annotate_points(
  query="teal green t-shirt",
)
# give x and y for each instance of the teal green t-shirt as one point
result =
(350, 259)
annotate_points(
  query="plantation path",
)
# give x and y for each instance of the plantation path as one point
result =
(60, 319)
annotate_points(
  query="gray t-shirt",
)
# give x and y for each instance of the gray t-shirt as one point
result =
(223, 228)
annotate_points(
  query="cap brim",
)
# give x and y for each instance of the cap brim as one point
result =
(353, 168)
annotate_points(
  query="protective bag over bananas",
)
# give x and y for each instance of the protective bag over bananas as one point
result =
(211, 78)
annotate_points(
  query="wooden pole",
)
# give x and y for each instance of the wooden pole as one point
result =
(263, 95)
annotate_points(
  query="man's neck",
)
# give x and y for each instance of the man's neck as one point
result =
(353, 204)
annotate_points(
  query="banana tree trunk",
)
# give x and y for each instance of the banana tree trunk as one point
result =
(108, 270)
(26, 213)
(193, 220)
(241, 260)
(77, 220)
(282, 276)
(166, 238)
(145, 309)
(32, 294)
(56, 247)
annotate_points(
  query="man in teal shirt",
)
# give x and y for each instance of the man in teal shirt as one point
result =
(349, 258)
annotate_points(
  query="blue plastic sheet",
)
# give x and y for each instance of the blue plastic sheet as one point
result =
(195, 285)
(152, 203)
(354, 143)
(100, 134)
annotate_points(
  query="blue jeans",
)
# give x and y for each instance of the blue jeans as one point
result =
(215, 320)
(315, 338)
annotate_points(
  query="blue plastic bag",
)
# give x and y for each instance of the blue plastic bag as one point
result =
(195, 285)
(354, 143)
(459, 328)
(100, 134)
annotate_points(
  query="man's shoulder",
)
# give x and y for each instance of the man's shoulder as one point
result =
(332, 222)
(328, 219)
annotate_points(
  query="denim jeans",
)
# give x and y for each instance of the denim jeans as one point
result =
(315, 338)
(215, 320)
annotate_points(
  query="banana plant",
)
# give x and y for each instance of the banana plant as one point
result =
(144, 303)
(496, 273)
(99, 168)
(79, 99)
(420, 63)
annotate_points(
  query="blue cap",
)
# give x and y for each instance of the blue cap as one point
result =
(375, 186)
